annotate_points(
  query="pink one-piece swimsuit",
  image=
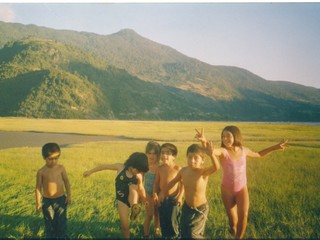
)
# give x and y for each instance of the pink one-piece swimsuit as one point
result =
(234, 173)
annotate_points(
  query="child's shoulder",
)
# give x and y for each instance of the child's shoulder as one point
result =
(177, 167)
(161, 167)
(60, 166)
(45, 169)
(222, 149)
(184, 169)
(42, 169)
(244, 148)
(165, 168)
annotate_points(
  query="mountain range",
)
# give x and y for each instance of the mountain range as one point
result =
(48, 73)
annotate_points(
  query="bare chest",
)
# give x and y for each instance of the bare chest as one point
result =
(53, 176)
(194, 181)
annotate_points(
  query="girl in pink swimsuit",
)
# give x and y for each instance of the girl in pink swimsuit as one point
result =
(234, 173)
(234, 190)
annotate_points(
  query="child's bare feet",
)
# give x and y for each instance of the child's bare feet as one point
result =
(157, 233)
(135, 210)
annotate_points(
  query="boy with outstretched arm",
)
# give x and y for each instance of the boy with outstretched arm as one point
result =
(194, 178)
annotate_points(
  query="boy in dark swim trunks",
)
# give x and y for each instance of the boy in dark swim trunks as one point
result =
(194, 178)
(129, 187)
(51, 183)
(169, 201)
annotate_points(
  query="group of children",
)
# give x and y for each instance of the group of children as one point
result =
(175, 197)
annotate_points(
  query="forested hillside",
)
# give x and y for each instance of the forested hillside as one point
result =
(67, 74)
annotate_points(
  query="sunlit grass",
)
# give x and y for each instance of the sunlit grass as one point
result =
(166, 131)
(283, 187)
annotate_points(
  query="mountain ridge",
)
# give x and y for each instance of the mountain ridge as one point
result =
(221, 92)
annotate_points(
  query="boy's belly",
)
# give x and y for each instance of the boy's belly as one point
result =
(53, 191)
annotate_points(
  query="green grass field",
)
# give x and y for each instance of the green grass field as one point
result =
(283, 187)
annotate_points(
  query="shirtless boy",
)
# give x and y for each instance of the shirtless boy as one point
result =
(51, 180)
(194, 179)
(169, 201)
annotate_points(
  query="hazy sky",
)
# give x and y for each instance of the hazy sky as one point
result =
(277, 41)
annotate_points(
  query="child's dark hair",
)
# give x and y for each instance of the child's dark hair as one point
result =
(173, 149)
(235, 131)
(153, 146)
(50, 148)
(139, 161)
(196, 148)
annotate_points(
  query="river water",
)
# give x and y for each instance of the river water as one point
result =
(36, 139)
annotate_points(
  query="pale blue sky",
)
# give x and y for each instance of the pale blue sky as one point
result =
(277, 41)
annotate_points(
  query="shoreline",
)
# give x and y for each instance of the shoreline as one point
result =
(15, 139)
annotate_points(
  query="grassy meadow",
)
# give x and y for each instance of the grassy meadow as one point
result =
(283, 187)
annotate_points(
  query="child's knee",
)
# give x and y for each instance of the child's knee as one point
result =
(149, 215)
(243, 215)
(125, 227)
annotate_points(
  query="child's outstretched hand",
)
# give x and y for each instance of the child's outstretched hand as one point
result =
(200, 135)
(86, 174)
(282, 145)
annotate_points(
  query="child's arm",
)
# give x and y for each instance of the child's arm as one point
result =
(38, 190)
(67, 185)
(280, 146)
(215, 163)
(141, 189)
(173, 182)
(156, 187)
(115, 166)
(181, 192)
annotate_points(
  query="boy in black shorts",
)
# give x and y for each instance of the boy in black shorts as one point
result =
(194, 177)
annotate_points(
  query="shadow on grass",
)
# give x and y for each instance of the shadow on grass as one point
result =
(19, 227)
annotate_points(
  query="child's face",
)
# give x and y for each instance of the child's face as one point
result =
(152, 156)
(195, 160)
(134, 171)
(166, 156)
(52, 160)
(227, 139)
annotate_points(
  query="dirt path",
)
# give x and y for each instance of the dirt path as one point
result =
(35, 139)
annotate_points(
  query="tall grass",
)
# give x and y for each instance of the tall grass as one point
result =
(166, 131)
(283, 187)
